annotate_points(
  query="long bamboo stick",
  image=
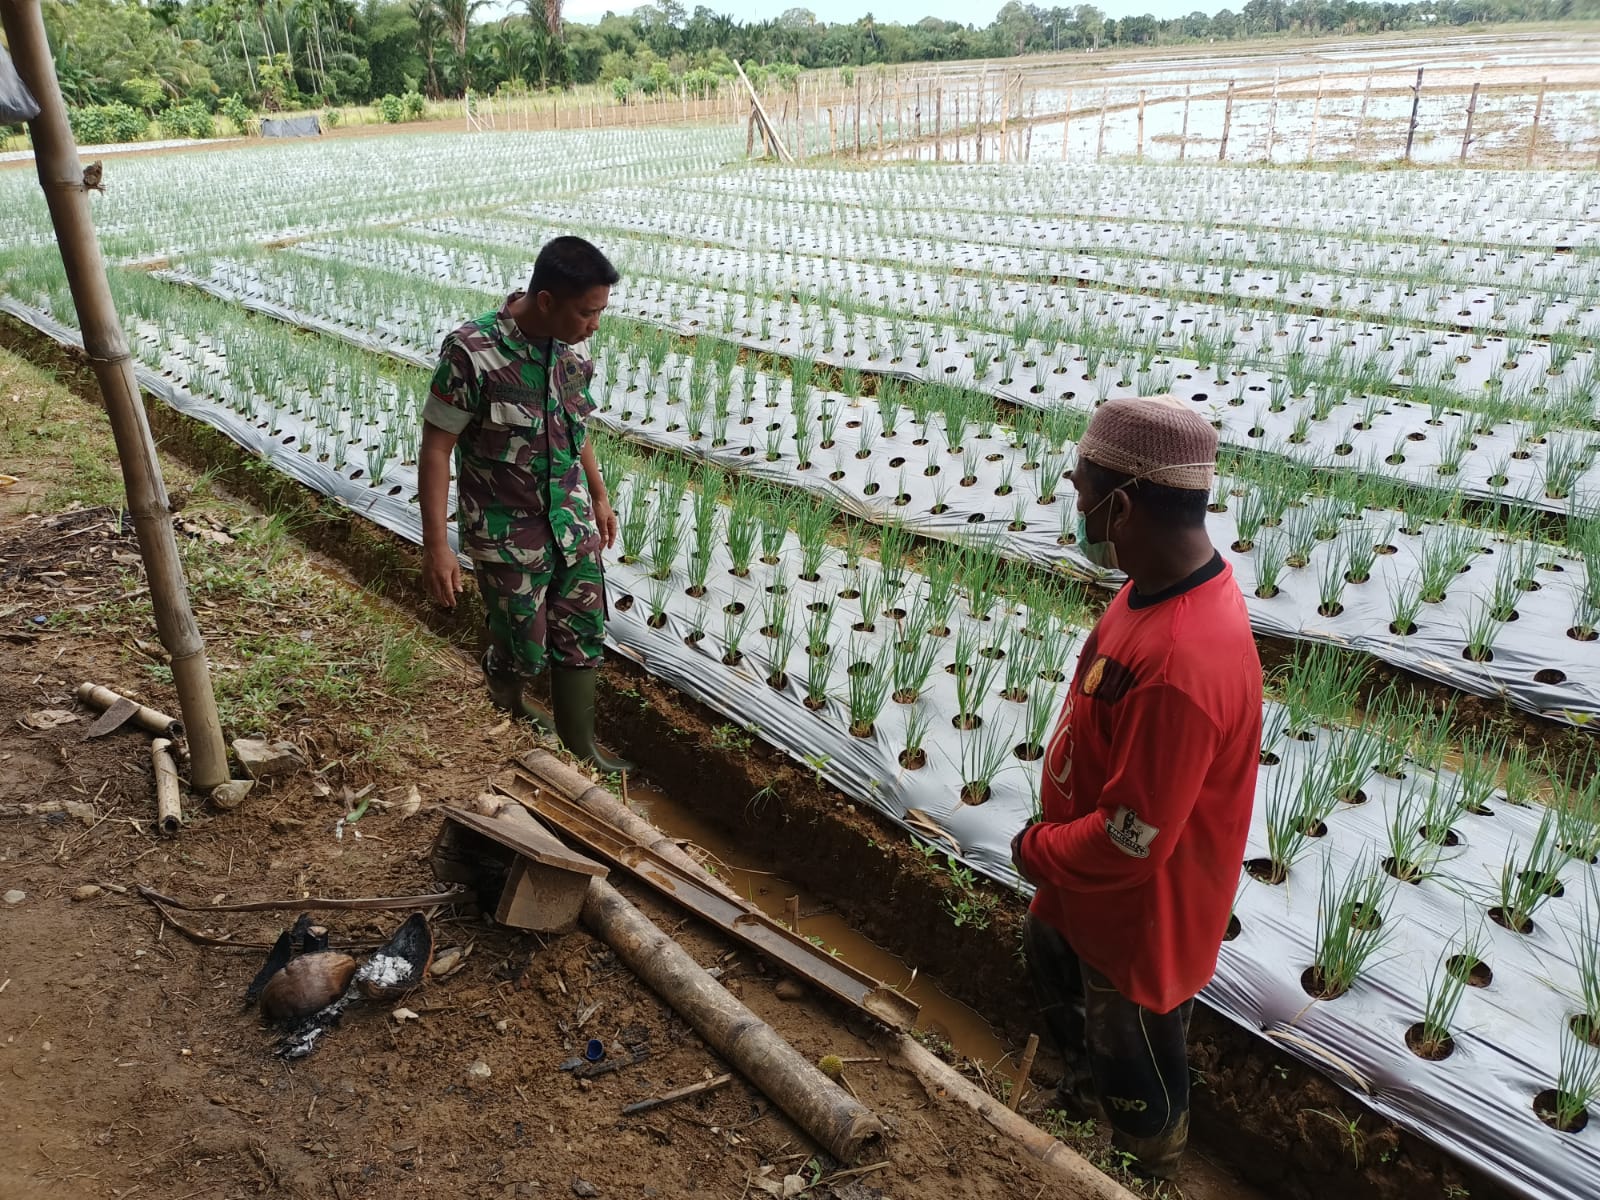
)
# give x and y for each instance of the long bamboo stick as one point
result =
(61, 177)
(936, 1076)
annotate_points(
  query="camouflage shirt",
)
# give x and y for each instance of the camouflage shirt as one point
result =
(518, 410)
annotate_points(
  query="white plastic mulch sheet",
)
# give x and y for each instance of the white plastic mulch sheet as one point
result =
(1534, 662)
(1478, 1102)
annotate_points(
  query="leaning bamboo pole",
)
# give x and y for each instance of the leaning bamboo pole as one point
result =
(61, 177)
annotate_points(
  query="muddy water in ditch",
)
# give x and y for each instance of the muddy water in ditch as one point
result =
(961, 1026)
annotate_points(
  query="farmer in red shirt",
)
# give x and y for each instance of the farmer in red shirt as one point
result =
(1148, 784)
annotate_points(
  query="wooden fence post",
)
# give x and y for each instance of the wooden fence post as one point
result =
(1100, 138)
(1066, 126)
(1361, 121)
(1272, 115)
(858, 116)
(1139, 153)
(1227, 123)
(938, 126)
(1416, 102)
(1316, 119)
(1183, 134)
(1538, 112)
(1466, 134)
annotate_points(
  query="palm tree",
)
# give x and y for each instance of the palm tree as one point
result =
(429, 23)
(552, 19)
(457, 16)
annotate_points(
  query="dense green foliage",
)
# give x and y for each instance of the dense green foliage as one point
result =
(166, 56)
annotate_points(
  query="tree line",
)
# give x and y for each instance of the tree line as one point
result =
(201, 56)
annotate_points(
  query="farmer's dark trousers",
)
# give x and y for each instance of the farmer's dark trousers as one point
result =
(1130, 1064)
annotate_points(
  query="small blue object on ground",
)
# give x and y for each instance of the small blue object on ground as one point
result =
(595, 1050)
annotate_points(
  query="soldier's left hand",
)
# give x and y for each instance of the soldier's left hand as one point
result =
(605, 520)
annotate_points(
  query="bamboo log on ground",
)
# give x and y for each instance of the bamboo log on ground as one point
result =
(937, 1076)
(148, 719)
(169, 803)
(838, 1122)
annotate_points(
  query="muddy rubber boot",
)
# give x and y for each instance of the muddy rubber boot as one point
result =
(506, 694)
(1155, 1157)
(572, 689)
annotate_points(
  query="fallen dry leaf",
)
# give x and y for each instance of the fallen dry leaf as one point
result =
(48, 718)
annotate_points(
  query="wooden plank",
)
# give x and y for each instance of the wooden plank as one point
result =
(532, 842)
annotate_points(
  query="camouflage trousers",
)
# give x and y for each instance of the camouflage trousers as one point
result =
(552, 610)
(1123, 1062)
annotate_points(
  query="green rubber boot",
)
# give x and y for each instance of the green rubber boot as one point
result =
(506, 694)
(572, 689)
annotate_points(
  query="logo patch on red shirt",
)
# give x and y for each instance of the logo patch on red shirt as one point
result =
(1129, 834)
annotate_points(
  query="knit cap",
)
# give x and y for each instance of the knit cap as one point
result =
(1154, 438)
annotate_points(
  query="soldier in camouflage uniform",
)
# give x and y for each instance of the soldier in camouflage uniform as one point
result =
(510, 397)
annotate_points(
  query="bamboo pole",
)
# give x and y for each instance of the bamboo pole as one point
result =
(939, 1079)
(1139, 145)
(1227, 123)
(1027, 146)
(938, 126)
(1361, 121)
(840, 1123)
(61, 177)
(1100, 138)
(1416, 103)
(1183, 134)
(1538, 112)
(1466, 134)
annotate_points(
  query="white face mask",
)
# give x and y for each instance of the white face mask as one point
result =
(1104, 554)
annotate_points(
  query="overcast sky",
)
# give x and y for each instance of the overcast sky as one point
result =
(904, 12)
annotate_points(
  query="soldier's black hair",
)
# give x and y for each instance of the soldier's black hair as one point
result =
(1183, 507)
(570, 266)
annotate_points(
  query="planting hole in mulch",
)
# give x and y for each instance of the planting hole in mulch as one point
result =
(1508, 919)
(1449, 838)
(966, 721)
(1352, 797)
(1539, 881)
(1403, 870)
(1028, 751)
(1234, 928)
(1423, 1046)
(913, 760)
(1314, 985)
(1314, 829)
(1550, 676)
(974, 794)
(1365, 918)
(1585, 1028)
(1471, 970)
(1266, 871)
(623, 603)
(1547, 1105)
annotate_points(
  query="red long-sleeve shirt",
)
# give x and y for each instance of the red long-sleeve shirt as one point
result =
(1149, 782)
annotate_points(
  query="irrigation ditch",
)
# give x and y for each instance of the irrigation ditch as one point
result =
(1278, 1122)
